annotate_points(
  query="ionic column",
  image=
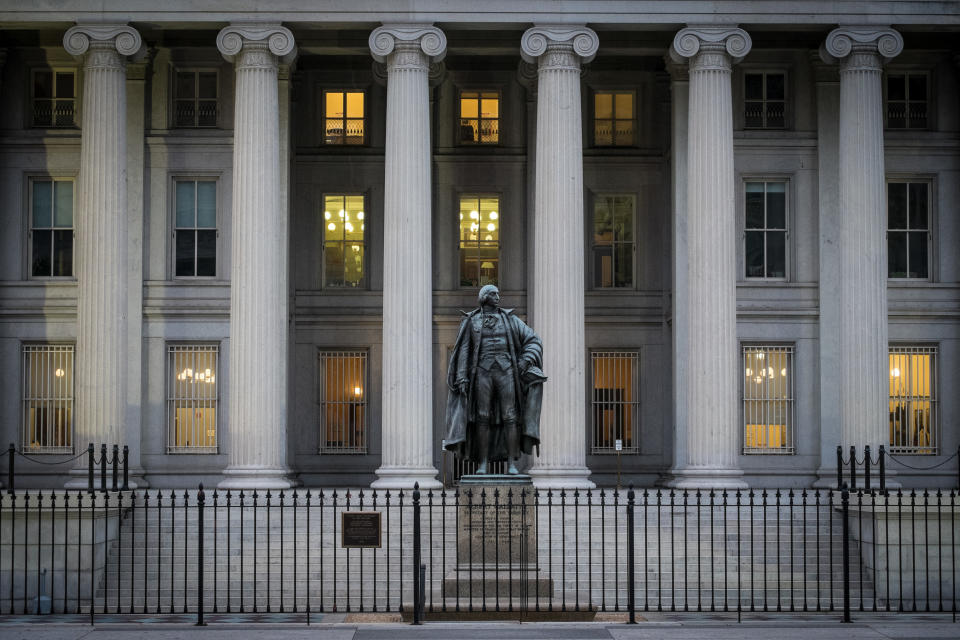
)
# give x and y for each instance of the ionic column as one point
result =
(558, 263)
(706, 365)
(258, 276)
(863, 343)
(407, 423)
(101, 236)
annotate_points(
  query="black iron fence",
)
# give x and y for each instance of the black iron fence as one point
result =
(447, 553)
(103, 462)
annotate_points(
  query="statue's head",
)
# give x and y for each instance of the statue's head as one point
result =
(489, 294)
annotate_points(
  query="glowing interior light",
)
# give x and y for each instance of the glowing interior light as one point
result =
(207, 372)
(749, 372)
(783, 372)
(349, 227)
(757, 379)
(895, 372)
(474, 226)
(59, 373)
(488, 238)
(760, 355)
(355, 248)
(491, 227)
(361, 227)
(341, 213)
(770, 371)
(474, 215)
(326, 215)
(359, 215)
(332, 227)
(493, 215)
(357, 391)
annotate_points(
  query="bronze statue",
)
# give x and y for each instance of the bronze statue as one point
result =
(495, 381)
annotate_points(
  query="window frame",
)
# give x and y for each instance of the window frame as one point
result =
(174, 70)
(594, 91)
(458, 116)
(787, 181)
(194, 177)
(31, 110)
(919, 348)
(790, 435)
(635, 355)
(31, 180)
(365, 263)
(322, 447)
(932, 262)
(68, 347)
(169, 424)
(908, 71)
(324, 143)
(591, 240)
(764, 71)
(479, 195)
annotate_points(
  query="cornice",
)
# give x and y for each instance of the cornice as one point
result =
(842, 41)
(279, 40)
(689, 41)
(384, 39)
(582, 40)
(126, 39)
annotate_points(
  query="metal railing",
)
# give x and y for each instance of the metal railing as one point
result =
(102, 462)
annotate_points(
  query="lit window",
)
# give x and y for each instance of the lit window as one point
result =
(48, 398)
(613, 118)
(51, 228)
(913, 400)
(479, 117)
(615, 401)
(480, 220)
(343, 401)
(192, 398)
(343, 117)
(54, 96)
(908, 229)
(195, 99)
(765, 233)
(613, 247)
(764, 100)
(196, 228)
(768, 399)
(344, 222)
(907, 99)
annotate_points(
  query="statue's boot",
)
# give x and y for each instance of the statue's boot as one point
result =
(483, 438)
(513, 445)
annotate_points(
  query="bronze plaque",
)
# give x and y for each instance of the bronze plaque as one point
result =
(360, 529)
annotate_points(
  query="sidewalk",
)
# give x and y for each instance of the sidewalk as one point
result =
(661, 627)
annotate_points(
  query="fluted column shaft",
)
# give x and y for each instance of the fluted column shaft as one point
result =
(407, 423)
(863, 358)
(557, 299)
(101, 233)
(258, 292)
(707, 363)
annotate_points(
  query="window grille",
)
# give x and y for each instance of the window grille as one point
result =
(343, 240)
(908, 230)
(479, 117)
(613, 247)
(613, 118)
(913, 401)
(51, 228)
(764, 103)
(343, 113)
(343, 401)
(907, 100)
(768, 400)
(192, 398)
(615, 401)
(196, 228)
(765, 230)
(195, 99)
(479, 240)
(54, 95)
(47, 398)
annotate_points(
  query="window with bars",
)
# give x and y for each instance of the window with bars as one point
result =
(613, 246)
(51, 228)
(195, 231)
(908, 230)
(768, 397)
(913, 400)
(192, 398)
(764, 100)
(479, 117)
(54, 97)
(907, 100)
(195, 96)
(765, 229)
(47, 398)
(615, 401)
(343, 240)
(343, 401)
(613, 118)
(343, 117)
(479, 240)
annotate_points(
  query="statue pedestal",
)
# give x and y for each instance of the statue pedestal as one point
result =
(497, 542)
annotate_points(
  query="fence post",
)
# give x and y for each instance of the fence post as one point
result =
(845, 504)
(853, 468)
(116, 462)
(866, 467)
(631, 567)
(200, 501)
(90, 467)
(883, 470)
(839, 466)
(103, 467)
(12, 453)
(416, 554)
(126, 468)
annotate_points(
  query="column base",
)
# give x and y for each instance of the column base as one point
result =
(705, 479)
(256, 478)
(561, 478)
(405, 478)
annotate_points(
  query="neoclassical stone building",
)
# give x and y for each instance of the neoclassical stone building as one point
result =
(240, 241)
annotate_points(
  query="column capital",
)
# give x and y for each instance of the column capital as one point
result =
(841, 43)
(695, 39)
(527, 77)
(431, 40)
(277, 38)
(124, 38)
(577, 38)
(678, 71)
